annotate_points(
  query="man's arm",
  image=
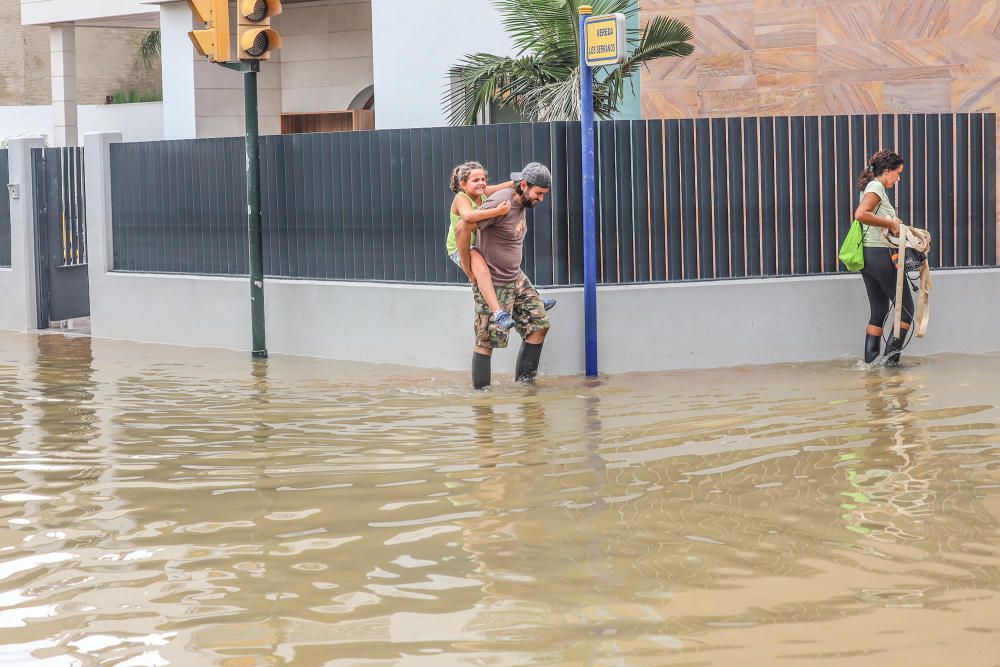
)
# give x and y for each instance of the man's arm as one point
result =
(463, 239)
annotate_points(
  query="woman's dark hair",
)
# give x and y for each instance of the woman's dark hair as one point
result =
(880, 163)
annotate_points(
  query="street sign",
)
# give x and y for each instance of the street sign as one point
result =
(605, 39)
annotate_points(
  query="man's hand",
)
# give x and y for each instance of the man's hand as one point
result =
(469, 274)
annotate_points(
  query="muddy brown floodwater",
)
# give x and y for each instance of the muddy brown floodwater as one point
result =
(163, 505)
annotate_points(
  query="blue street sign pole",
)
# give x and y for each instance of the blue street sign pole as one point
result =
(589, 221)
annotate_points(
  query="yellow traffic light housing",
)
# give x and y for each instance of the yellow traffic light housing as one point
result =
(213, 41)
(256, 38)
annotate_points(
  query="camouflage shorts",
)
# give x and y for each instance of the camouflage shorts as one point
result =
(521, 300)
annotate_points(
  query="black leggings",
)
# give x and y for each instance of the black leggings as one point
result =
(879, 275)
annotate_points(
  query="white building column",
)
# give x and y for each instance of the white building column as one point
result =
(17, 283)
(177, 63)
(62, 43)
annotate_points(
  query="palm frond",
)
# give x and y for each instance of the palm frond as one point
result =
(558, 100)
(148, 49)
(542, 82)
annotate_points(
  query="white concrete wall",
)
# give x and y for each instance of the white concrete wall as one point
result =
(414, 50)
(326, 59)
(652, 327)
(218, 98)
(138, 122)
(17, 282)
(35, 12)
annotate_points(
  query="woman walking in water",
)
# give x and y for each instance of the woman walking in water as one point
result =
(876, 212)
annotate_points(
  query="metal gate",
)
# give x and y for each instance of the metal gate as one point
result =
(60, 235)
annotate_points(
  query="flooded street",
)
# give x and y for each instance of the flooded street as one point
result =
(173, 506)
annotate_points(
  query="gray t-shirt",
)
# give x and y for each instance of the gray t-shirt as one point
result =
(501, 239)
(885, 209)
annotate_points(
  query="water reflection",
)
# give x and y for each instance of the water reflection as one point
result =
(174, 506)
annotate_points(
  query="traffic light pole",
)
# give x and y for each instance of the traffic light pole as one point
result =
(250, 68)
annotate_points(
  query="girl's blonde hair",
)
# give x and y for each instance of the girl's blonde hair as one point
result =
(460, 174)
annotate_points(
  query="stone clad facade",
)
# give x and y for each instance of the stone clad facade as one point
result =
(822, 57)
(815, 57)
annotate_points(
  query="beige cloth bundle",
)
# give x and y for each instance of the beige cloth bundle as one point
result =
(920, 240)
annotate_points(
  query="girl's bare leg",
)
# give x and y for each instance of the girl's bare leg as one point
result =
(485, 281)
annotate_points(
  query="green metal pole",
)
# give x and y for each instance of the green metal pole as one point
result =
(250, 69)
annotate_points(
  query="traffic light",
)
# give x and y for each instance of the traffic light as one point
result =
(256, 38)
(213, 41)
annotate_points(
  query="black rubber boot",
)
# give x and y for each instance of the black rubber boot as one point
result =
(893, 349)
(872, 346)
(481, 373)
(527, 362)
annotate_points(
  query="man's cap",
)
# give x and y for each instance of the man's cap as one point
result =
(535, 173)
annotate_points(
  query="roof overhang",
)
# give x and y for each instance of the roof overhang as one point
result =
(117, 13)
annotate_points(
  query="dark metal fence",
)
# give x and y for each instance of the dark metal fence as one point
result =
(61, 189)
(677, 199)
(4, 211)
(60, 234)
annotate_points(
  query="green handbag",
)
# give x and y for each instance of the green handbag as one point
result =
(852, 253)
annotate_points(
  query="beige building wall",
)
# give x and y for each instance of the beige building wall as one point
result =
(792, 57)
(326, 59)
(106, 62)
(819, 57)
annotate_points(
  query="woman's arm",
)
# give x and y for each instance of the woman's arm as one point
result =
(865, 214)
(490, 189)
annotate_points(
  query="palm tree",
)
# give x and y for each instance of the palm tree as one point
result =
(542, 82)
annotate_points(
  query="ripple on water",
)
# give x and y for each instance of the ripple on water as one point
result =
(176, 506)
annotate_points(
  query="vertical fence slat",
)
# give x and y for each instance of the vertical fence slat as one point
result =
(828, 195)
(947, 186)
(932, 205)
(917, 214)
(558, 232)
(990, 189)
(737, 207)
(813, 240)
(768, 195)
(639, 187)
(783, 194)
(846, 197)
(705, 210)
(752, 195)
(574, 188)
(960, 172)
(659, 185)
(607, 213)
(797, 171)
(623, 204)
(541, 228)
(904, 189)
(676, 206)
(976, 191)
(720, 199)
